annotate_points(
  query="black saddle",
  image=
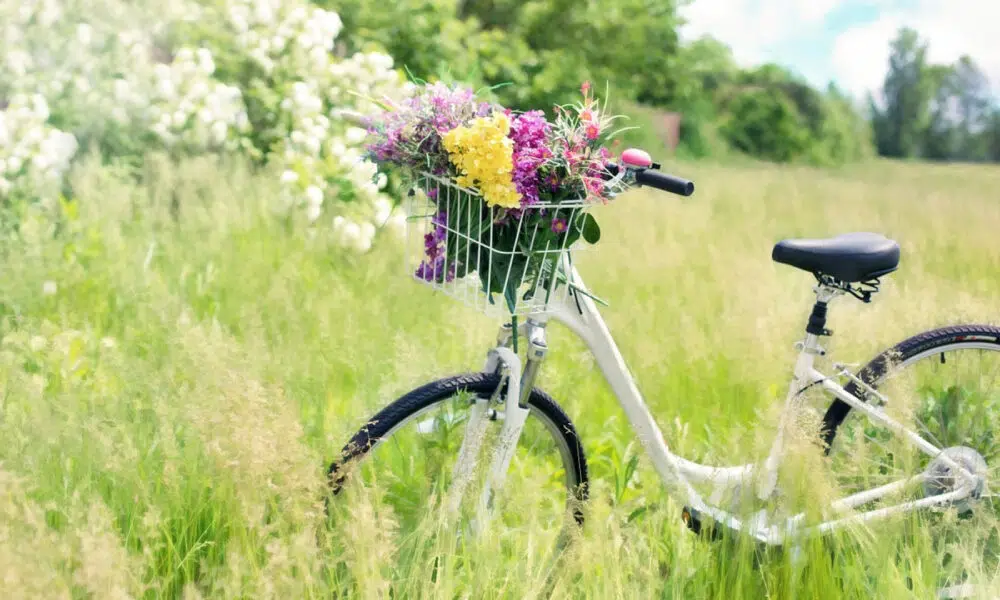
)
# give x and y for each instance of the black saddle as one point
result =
(850, 258)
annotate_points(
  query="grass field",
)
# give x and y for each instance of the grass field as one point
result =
(173, 389)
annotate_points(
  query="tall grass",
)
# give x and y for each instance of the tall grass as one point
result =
(166, 414)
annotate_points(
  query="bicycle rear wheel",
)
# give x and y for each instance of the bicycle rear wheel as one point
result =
(945, 385)
(403, 459)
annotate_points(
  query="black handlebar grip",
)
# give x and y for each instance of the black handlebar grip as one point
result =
(667, 183)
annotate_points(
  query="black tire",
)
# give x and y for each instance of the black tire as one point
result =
(983, 557)
(873, 373)
(481, 385)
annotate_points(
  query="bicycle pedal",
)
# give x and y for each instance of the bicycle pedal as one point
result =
(694, 521)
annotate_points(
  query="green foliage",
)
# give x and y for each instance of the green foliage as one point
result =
(767, 112)
(939, 112)
(544, 49)
(537, 53)
(765, 124)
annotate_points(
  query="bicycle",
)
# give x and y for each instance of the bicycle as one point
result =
(946, 472)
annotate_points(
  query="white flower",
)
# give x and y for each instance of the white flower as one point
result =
(205, 62)
(122, 90)
(5, 187)
(355, 135)
(49, 288)
(84, 34)
(383, 208)
(312, 144)
(184, 55)
(219, 131)
(289, 176)
(350, 234)
(314, 195)
(41, 107)
(397, 223)
(41, 162)
(313, 211)
(242, 121)
(365, 237)
(263, 12)
(199, 89)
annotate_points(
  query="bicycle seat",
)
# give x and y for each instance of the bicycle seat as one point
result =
(851, 257)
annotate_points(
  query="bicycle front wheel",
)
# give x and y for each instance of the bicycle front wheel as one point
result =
(404, 457)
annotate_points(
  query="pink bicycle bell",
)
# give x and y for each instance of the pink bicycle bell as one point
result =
(637, 159)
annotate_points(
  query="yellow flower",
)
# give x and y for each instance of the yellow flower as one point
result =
(484, 156)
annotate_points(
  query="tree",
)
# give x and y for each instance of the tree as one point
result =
(906, 94)
(943, 136)
(972, 98)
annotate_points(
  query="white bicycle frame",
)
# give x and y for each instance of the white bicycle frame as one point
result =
(579, 313)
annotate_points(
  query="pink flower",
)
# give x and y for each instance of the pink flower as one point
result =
(595, 187)
(592, 131)
(585, 88)
(558, 225)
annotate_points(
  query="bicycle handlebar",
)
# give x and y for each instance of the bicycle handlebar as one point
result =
(660, 181)
(667, 183)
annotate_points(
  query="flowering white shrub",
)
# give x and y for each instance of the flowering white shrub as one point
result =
(73, 51)
(33, 156)
(191, 110)
(293, 45)
(111, 72)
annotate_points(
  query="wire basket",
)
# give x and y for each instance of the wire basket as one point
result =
(492, 259)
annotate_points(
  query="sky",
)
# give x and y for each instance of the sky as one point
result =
(847, 41)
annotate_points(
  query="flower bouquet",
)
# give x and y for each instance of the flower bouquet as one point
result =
(507, 191)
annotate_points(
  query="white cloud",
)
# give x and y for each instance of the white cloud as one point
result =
(858, 58)
(951, 27)
(749, 27)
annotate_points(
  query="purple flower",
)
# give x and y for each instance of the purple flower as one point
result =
(558, 225)
(432, 246)
(530, 132)
(440, 219)
(434, 270)
(409, 135)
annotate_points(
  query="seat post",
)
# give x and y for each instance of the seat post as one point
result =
(817, 318)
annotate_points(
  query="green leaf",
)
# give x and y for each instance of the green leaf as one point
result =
(591, 231)
(632, 516)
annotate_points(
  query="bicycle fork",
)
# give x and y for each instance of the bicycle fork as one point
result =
(520, 380)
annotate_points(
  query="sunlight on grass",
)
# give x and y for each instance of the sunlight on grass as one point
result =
(168, 409)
